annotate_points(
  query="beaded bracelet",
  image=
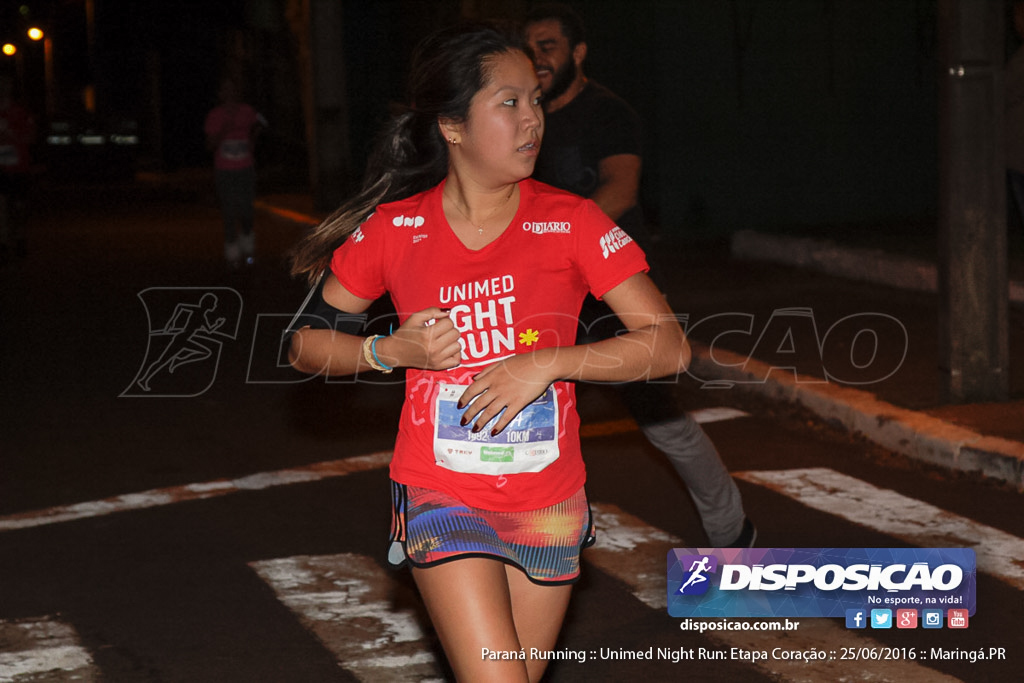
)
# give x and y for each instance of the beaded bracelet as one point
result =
(370, 354)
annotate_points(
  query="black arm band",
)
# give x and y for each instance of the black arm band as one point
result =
(320, 315)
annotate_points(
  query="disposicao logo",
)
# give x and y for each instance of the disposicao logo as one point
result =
(696, 580)
(819, 582)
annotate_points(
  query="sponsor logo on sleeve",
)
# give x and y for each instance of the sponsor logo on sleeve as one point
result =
(613, 240)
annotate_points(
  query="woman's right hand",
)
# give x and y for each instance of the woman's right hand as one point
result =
(427, 340)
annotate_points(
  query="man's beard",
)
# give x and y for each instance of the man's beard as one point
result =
(561, 80)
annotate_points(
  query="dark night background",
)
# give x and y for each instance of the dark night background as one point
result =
(811, 118)
(768, 114)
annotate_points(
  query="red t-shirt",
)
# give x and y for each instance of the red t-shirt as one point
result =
(232, 125)
(521, 292)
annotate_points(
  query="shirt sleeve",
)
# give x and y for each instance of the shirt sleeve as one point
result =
(359, 263)
(606, 255)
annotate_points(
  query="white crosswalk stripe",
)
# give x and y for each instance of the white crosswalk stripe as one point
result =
(365, 618)
(896, 515)
(201, 491)
(43, 649)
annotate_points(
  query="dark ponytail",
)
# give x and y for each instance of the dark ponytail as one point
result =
(410, 156)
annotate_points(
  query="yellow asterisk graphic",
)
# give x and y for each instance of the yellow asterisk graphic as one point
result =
(529, 337)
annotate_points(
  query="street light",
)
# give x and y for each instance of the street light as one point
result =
(13, 49)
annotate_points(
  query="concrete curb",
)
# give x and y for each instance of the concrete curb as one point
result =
(866, 265)
(911, 433)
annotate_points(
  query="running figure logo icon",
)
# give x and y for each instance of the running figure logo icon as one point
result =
(698, 566)
(187, 327)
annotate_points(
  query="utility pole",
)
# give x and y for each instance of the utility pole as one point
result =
(973, 280)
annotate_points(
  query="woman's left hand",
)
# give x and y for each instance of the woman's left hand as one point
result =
(509, 385)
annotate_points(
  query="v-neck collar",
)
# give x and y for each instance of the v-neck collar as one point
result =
(502, 236)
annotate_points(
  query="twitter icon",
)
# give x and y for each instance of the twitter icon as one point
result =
(881, 618)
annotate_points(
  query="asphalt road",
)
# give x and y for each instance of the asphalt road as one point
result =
(229, 523)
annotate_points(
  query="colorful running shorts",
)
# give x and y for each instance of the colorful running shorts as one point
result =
(429, 527)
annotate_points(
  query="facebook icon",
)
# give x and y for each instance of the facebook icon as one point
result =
(856, 618)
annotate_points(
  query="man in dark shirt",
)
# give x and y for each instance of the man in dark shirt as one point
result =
(593, 147)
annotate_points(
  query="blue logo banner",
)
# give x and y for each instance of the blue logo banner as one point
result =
(818, 582)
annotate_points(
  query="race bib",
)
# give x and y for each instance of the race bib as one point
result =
(236, 150)
(528, 444)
